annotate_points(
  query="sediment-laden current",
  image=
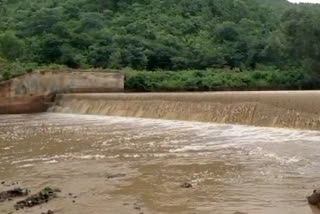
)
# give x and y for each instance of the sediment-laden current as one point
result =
(131, 165)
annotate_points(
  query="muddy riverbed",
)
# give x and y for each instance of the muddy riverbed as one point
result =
(108, 165)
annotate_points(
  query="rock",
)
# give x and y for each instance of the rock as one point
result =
(240, 213)
(314, 199)
(56, 190)
(137, 207)
(49, 212)
(119, 175)
(186, 185)
(43, 196)
(14, 193)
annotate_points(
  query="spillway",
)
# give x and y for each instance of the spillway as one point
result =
(283, 109)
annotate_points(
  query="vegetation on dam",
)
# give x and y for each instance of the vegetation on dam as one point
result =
(177, 45)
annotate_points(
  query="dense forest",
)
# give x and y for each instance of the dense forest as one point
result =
(176, 44)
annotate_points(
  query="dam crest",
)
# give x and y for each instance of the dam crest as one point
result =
(282, 109)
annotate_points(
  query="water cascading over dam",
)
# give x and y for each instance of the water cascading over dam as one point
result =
(284, 109)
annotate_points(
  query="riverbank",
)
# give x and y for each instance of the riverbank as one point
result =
(285, 109)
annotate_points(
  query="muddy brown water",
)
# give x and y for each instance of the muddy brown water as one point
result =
(131, 165)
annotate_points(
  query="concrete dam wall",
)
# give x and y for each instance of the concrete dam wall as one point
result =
(33, 92)
(286, 109)
(39, 83)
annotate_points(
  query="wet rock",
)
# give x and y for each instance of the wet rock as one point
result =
(137, 207)
(43, 196)
(186, 185)
(71, 195)
(314, 199)
(3, 182)
(49, 212)
(14, 193)
(55, 189)
(119, 175)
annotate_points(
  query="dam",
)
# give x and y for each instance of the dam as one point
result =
(282, 109)
(34, 92)
(89, 92)
(164, 153)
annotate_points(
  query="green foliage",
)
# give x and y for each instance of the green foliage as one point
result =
(213, 80)
(11, 47)
(225, 37)
(10, 70)
(142, 34)
(302, 36)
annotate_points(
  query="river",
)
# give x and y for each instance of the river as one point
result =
(131, 165)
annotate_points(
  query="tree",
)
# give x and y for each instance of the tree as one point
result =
(162, 34)
(50, 49)
(11, 47)
(302, 35)
(43, 21)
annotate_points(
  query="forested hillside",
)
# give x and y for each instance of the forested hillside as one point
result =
(150, 35)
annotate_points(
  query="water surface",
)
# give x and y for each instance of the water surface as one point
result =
(232, 168)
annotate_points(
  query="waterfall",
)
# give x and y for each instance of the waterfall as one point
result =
(272, 109)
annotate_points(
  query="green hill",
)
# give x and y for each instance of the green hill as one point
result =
(159, 34)
(275, 3)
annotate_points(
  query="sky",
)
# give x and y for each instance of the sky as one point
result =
(309, 1)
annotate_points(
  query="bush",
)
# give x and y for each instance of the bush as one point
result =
(215, 80)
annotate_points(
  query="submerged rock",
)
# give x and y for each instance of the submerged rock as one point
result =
(120, 175)
(49, 212)
(186, 185)
(43, 196)
(314, 199)
(14, 193)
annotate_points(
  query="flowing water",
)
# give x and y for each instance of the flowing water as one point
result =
(120, 165)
